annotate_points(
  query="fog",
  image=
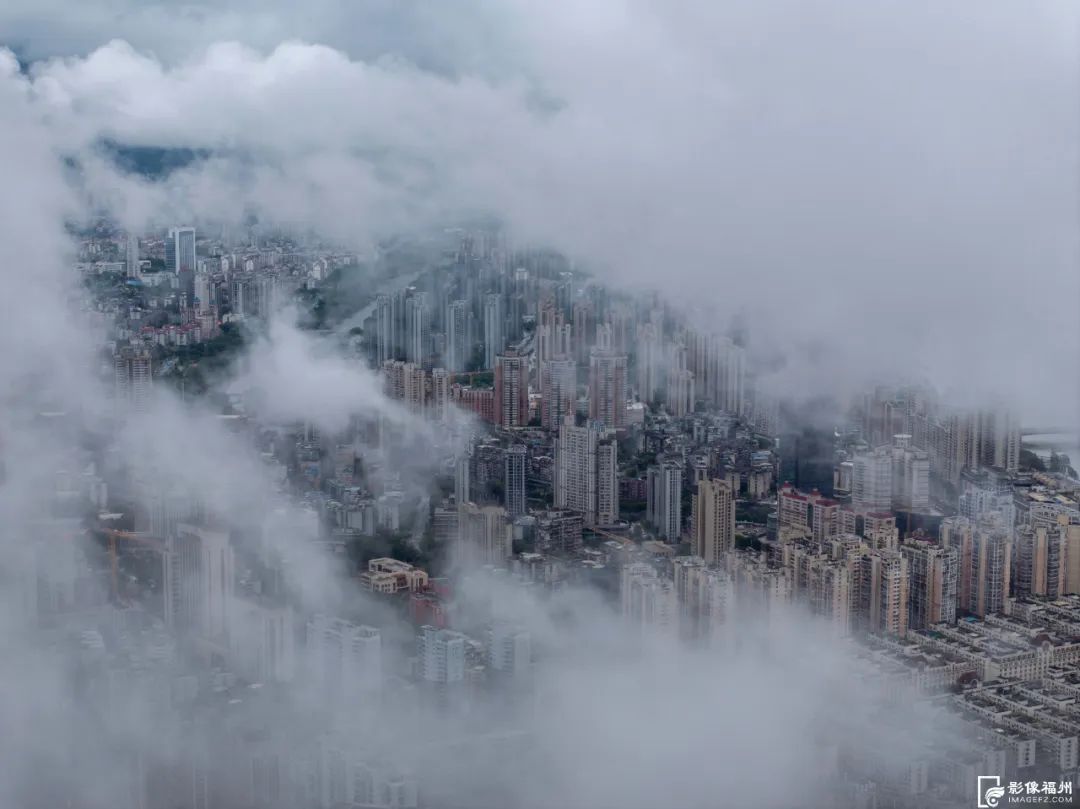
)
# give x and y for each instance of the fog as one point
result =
(879, 191)
(894, 185)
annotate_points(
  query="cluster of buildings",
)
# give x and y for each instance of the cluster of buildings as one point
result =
(586, 439)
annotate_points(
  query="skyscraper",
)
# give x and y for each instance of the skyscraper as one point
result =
(991, 567)
(664, 499)
(807, 451)
(417, 328)
(586, 472)
(385, 329)
(511, 390)
(514, 482)
(883, 591)
(680, 385)
(934, 576)
(509, 649)
(558, 391)
(458, 338)
(344, 659)
(485, 534)
(440, 394)
(132, 260)
(441, 655)
(494, 331)
(133, 379)
(714, 520)
(650, 361)
(607, 382)
(463, 480)
(200, 582)
(910, 476)
(180, 250)
(872, 484)
(406, 383)
(958, 533)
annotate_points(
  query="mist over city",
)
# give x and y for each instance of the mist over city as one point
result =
(517, 405)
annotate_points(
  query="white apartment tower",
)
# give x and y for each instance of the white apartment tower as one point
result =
(586, 472)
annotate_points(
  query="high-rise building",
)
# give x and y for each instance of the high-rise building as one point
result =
(714, 520)
(880, 531)
(934, 576)
(509, 649)
(559, 532)
(607, 382)
(910, 476)
(958, 533)
(1041, 563)
(991, 568)
(132, 256)
(586, 472)
(793, 508)
(872, 486)
(558, 391)
(1000, 440)
(718, 366)
(204, 292)
(649, 603)
(485, 534)
(458, 336)
(344, 659)
(650, 361)
(441, 655)
(511, 390)
(494, 331)
(584, 328)
(824, 517)
(417, 328)
(463, 480)
(807, 446)
(388, 314)
(680, 385)
(514, 484)
(883, 591)
(406, 383)
(200, 582)
(663, 497)
(180, 250)
(830, 591)
(133, 379)
(440, 395)
(706, 599)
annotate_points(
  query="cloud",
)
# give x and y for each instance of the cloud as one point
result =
(880, 182)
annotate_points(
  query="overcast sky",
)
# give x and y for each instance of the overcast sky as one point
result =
(886, 188)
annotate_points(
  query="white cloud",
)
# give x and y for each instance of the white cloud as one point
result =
(882, 182)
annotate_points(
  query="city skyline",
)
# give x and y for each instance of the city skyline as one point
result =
(501, 406)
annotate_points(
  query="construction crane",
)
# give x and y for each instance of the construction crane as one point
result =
(128, 536)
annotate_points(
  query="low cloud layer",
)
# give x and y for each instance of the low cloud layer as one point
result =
(893, 185)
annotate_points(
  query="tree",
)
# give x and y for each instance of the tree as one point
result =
(1030, 462)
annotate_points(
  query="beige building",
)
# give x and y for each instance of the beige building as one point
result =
(386, 575)
(714, 520)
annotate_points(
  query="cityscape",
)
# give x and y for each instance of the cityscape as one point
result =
(350, 466)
